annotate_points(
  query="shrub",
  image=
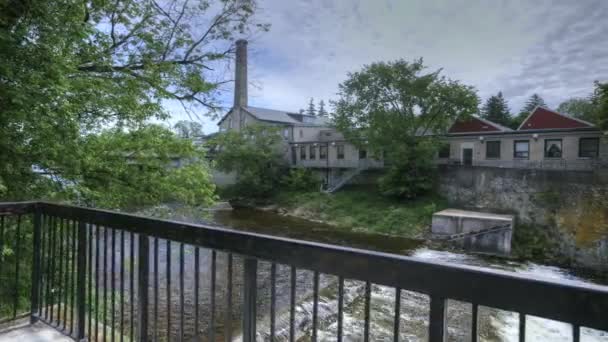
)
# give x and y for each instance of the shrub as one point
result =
(301, 180)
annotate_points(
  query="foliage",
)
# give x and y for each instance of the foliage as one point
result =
(581, 108)
(72, 68)
(188, 129)
(496, 110)
(322, 111)
(122, 169)
(255, 155)
(311, 110)
(363, 209)
(300, 180)
(399, 109)
(534, 101)
(600, 100)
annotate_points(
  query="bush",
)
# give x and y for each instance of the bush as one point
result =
(301, 180)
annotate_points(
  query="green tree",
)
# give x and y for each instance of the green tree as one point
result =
(188, 129)
(397, 108)
(311, 110)
(582, 108)
(72, 68)
(255, 155)
(322, 111)
(534, 101)
(600, 101)
(496, 110)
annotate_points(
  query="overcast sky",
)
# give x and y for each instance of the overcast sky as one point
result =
(556, 48)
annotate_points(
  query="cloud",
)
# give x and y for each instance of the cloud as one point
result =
(553, 47)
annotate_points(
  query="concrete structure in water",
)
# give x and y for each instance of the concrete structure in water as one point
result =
(474, 231)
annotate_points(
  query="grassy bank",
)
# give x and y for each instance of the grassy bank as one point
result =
(364, 210)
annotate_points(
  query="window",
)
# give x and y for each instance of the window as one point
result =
(301, 133)
(493, 150)
(553, 148)
(340, 151)
(521, 149)
(588, 147)
(362, 154)
(323, 152)
(444, 151)
(303, 153)
(286, 133)
(312, 153)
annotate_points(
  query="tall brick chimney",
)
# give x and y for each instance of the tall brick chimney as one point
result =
(240, 77)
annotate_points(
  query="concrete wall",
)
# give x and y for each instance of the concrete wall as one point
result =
(571, 205)
(570, 148)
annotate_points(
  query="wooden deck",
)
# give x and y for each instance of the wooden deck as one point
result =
(38, 332)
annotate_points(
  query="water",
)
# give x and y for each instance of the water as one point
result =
(494, 325)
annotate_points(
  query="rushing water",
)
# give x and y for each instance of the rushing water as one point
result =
(494, 325)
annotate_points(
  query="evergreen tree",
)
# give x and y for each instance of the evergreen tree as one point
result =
(534, 101)
(311, 107)
(322, 111)
(496, 110)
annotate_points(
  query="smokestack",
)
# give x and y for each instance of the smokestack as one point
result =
(240, 78)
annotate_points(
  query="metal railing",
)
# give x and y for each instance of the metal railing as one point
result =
(104, 275)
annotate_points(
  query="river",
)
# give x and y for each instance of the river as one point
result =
(494, 325)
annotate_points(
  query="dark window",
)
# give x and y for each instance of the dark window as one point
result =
(301, 133)
(521, 149)
(553, 148)
(312, 154)
(303, 153)
(323, 152)
(362, 154)
(340, 150)
(493, 150)
(589, 147)
(444, 151)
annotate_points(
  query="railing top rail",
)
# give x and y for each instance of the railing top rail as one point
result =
(13, 208)
(581, 304)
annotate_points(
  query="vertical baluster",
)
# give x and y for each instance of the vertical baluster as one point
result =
(112, 283)
(368, 289)
(36, 278)
(315, 305)
(74, 278)
(474, 320)
(53, 270)
(168, 290)
(292, 305)
(122, 285)
(60, 286)
(90, 270)
(132, 285)
(105, 283)
(397, 314)
(576, 333)
(49, 257)
(81, 269)
(437, 319)
(522, 327)
(212, 313)
(142, 290)
(68, 267)
(273, 300)
(97, 239)
(181, 291)
(229, 300)
(17, 266)
(155, 336)
(340, 306)
(196, 293)
(249, 299)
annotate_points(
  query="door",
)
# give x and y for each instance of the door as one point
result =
(467, 156)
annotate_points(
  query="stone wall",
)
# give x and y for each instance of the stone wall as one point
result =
(571, 205)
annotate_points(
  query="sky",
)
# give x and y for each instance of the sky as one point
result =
(555, 48)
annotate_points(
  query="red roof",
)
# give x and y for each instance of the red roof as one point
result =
(474, 124)
(542, 118)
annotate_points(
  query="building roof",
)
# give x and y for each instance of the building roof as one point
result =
(476, 124)
(544, 118)
(281, 116)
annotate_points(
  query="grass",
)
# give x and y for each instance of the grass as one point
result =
(362, 209)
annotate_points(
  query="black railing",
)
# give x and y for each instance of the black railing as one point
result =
(110, 276)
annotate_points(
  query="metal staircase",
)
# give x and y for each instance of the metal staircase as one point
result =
(342, 180)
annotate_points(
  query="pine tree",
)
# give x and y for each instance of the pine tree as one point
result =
(534, 101)
(311, 107)
(496, 110)
(322, 111)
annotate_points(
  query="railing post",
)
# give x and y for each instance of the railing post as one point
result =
(81, 280)
(35, 294)
(437, 319)
(249, 299)
(142, 287)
